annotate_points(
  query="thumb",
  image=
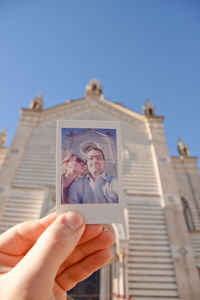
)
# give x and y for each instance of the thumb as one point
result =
(53, 247)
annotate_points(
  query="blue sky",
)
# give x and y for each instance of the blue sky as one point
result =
(137, 48)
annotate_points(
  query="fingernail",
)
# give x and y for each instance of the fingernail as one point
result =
(73, 220)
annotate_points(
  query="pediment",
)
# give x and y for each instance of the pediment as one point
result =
(89, 108)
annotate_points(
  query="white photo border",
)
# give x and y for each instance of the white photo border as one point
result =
(93, 213)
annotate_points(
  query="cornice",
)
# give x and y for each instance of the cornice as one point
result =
(182, 163)
(154, 119)
(178, 158)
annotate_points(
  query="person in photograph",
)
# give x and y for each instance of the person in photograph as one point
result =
(96, 186)
(73, 167)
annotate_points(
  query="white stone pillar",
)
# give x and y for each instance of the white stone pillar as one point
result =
(187, 278)
(105, 283)
(122, 251)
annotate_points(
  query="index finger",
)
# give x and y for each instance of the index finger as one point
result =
(21, 237)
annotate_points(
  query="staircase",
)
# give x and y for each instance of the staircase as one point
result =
(21, 206)
(151, 274)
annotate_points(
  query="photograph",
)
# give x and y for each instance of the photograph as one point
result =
(88, 166)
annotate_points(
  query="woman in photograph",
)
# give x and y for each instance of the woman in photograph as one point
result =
(73, 167)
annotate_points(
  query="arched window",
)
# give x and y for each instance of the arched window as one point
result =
(187, 214)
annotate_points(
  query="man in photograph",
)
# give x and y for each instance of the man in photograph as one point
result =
(96, 186)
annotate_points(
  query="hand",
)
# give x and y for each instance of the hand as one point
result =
(42, 259)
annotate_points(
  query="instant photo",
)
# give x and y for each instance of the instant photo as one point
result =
(89, 170)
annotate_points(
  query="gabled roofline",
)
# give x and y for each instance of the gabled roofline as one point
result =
(49, 109)
(70, 102)
(125, 110)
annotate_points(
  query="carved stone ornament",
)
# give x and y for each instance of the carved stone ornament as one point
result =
(163, 159)
(37, 103)
(14, 151)
(3, 137)
(93, 88)
(171, 199)
(183, 149)
(182, 251)
(148, 109)
(122, 246)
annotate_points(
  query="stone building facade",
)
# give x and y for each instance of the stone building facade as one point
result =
(157, 250)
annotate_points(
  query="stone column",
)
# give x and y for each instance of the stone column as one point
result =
(3, 192)
(188, 282)
(105, 283)
(49, 201)
(3, 152)
(122, 253)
